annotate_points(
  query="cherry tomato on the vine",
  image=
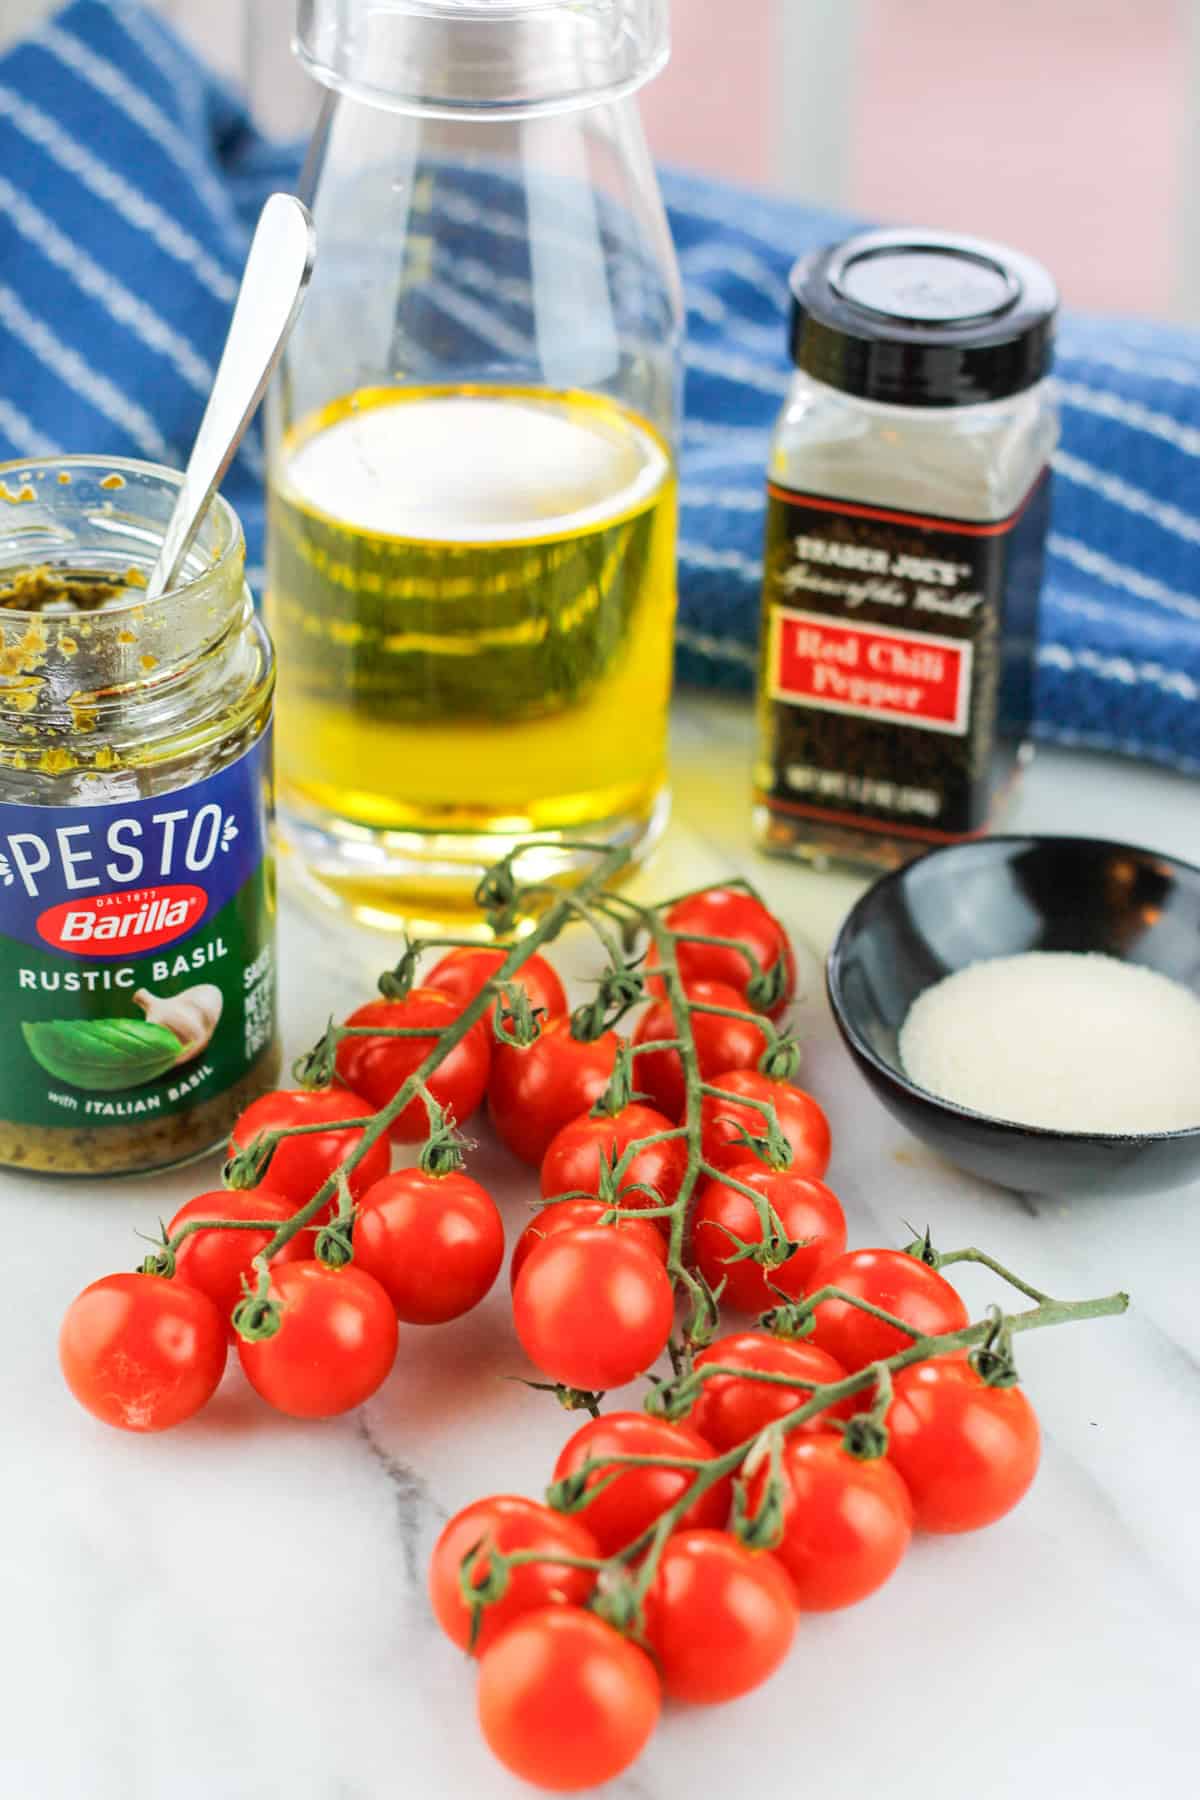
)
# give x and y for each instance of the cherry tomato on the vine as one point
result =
(434, 1242)
(721, 1043)
(894, 1281)
(142, 1352)
(461, 973)
(538, 1088)
(507, 1522)
(378, 1067)
(719, 1618)
(565, 1701)
(628, 1505)
(569, 1215)
(592, 1308)
(728, 913)
(801, 1121)
(809, 1213)
(730, 1411)
(301, 1165)
(967, 1451)
(335, 1345)
(218, 1262)
(847, 1522)
(572, 1160)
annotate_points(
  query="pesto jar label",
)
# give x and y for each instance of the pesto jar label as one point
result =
(898, 656)
(137, 962)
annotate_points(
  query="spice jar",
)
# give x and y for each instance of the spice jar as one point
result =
(909, 493)
(137, 909)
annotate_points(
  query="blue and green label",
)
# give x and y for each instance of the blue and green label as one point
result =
(137, 965)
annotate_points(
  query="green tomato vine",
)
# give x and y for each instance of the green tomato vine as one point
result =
(628, 933)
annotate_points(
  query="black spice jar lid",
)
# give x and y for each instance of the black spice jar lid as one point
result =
(922, 318)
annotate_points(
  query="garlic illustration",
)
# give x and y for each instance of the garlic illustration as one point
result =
(192, 1015)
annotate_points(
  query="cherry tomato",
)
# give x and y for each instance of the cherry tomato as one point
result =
(967, 1452)
(719, 1618)
(801, 1121)
(142, 1352)
(725, 912)
(631, 1503)
(379, 1066)
(721, 1043)
(810, 1214)
(572, 1161)
(335, 1345)
(434, 1242)
(301, 1165)
(898, 1283)
(217, 1262)
(592, 1308)
(565, 1701)
(730, 1411)
(537, 1089)
(847, 1523)
(569, 1215)
(461, 974)
(507, 1522)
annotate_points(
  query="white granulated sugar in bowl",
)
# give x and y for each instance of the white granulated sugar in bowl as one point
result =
(1067, 1041)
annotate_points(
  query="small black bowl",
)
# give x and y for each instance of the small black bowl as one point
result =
(998, 897)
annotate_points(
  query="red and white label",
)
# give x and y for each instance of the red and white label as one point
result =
(123, 924)
(903, 677)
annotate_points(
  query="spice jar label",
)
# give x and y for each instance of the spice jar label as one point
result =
(136, 958)
(904, 676)
(898, 651)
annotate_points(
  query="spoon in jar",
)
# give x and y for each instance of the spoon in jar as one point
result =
(274, 282)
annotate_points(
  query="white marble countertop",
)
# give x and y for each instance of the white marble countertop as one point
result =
(236, 1611)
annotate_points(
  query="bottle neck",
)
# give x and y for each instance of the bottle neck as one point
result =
(487, 59)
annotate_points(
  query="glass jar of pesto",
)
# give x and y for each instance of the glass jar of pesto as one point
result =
(137, 904)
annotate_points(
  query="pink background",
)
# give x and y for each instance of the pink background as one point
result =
(1060, 126)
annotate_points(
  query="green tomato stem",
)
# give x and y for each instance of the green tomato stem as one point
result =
(609, 863)
(754, 967)
(944, 1259)
(601, 910)
(761, 1022)
(191, 1226)
(708, 1472)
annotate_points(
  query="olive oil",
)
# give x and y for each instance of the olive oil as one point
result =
(472, 592)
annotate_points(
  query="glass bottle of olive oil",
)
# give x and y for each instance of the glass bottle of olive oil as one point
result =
(471, 547)
(474, 594)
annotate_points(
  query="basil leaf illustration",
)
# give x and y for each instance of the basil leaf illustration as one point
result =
(102, 1055)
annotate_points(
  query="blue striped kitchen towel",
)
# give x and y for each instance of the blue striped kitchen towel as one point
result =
(130, 177)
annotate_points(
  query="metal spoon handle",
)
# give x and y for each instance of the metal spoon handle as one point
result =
(276, 276)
